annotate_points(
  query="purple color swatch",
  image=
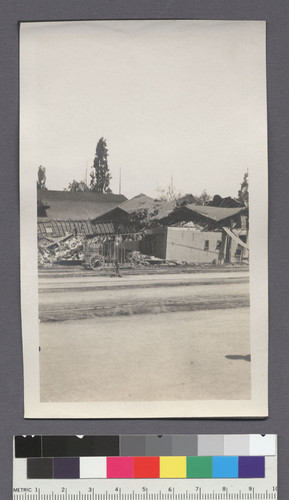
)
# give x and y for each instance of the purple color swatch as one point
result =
(66, 468)
(251, 467)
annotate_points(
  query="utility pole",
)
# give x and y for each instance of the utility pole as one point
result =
(86, 173)
(119, 187)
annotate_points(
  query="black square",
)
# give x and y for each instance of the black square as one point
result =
(73, 446)
(28, 446)
(40, 468)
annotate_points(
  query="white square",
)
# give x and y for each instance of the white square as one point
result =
(92, 467)
(236, 444)
(262, 445)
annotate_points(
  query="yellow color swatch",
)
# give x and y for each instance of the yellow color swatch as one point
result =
(173, 467)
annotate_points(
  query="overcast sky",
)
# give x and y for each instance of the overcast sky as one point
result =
(181, 99)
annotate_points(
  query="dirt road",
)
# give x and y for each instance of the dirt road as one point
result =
(168, 337)
(83, 298)
(172, 356)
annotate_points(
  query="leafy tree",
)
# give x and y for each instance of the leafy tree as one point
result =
(41, 178)
(139, 219)
(76, 186)
(168, 193)
(203, 199)
(100, 175)
(187, 199)
(243, 193)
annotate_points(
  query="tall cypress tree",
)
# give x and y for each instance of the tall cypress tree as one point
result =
(243, 193)
(41, 178)
(100, 175)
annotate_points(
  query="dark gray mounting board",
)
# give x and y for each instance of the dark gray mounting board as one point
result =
(276, 13)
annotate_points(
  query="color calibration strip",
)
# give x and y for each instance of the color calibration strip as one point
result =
(139, 456)
(145, 467)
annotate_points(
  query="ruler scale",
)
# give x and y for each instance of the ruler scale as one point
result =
(214, 494)
(167, 467)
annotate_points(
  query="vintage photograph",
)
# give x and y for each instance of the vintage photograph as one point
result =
(143, 160)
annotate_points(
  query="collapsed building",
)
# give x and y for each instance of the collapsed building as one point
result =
(186, 232)
(64, 223)
(63, 212)
(95, 228)
(201, 234)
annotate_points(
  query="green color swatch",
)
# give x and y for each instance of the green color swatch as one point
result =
(199, 467)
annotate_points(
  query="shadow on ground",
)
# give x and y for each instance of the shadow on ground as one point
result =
(239, 356)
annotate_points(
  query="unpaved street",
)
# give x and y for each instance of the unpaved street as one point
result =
(83, 298)
(171, 337)
(167, 356)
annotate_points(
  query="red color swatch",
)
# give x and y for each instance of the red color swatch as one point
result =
(146, 467)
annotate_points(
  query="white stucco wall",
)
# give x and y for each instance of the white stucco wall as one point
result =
(184, 244)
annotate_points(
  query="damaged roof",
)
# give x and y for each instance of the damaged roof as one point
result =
(141, 201)
(214, 213)
(227, 202)
(169, 212)
(204, 215)
(69, 205)
(57, 228)
(136, 203)
(162, 209)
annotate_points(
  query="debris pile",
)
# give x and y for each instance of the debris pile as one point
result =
(138, 259)
(53, 250)
(189, 225)
(99, 240)
(71, 249)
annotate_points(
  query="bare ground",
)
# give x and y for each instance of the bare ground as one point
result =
(171, 356)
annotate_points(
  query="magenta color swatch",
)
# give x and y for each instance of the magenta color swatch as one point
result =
(119, 467)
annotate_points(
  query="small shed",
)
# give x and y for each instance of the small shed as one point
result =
(193, 246)
(183, 244)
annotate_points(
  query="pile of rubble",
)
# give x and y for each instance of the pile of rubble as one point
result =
(189, 225)
(137, 259)
(99, 240)
(53, 250)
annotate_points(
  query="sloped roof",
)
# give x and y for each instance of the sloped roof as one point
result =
(227, 202)
(206, 216)
(214, 213)
(68, 205)
(162, 209)
(128, 207)
(168, 210)
(136, 203)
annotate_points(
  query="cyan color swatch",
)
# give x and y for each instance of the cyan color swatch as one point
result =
(224, 467)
